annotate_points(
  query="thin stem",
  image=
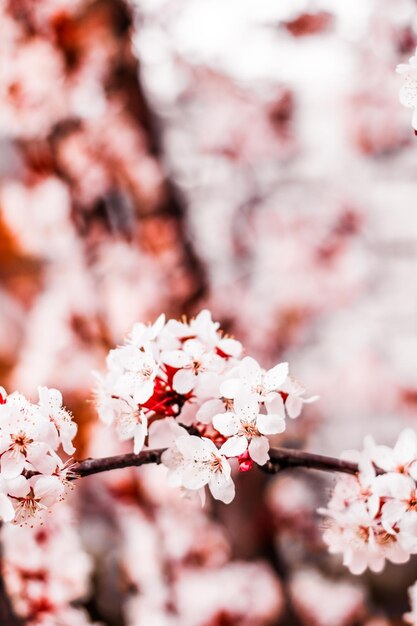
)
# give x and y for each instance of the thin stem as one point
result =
(280, 458)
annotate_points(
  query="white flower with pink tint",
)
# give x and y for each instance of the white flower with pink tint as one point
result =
(143, 334)
(132, 424)
(401, 458)
(10, 490)
(134, 373)
(32, 475)
(399, 508)
(246, 427)
(36, 496)
(196, 462)
(255, 380)
(24, 435)
(191, 372)
(50, 404)
(373, 517)
(195, 366)
(294, 400)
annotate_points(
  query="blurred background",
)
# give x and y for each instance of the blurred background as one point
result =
(248, 156)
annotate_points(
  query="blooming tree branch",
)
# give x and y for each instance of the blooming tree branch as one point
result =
(185, 396)
(280, 459)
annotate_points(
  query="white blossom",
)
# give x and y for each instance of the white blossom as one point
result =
(372, 517)
(195, 462)
(246, 427)
(30, 437)
(257, 381)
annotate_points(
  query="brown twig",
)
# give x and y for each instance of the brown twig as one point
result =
(105, 464)
(280, 459)
(283, 458)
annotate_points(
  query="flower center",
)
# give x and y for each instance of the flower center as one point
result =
(146, 372)
(259, 389)
(28, 507)
(215, 463)
(20, 442)
(385, 538)
(249, 429)
(196, 366)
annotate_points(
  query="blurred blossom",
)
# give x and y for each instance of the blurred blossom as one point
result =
(344, 603)
(46, 569)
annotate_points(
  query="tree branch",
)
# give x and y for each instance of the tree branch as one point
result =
(280, 459)
(105, 464)
(283, 458)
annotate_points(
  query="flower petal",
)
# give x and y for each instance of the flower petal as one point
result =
(176, 358)
(235, 446)
(222, 489)
(11, 464)
(293, 404)
(6, 509)
(184, 381)
(258, 450)
(226, 423)
(250, 372)
(275, 377)
(209, 409)
(270, 424)
(246, 405)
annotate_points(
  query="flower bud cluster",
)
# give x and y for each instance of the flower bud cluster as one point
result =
(32, 474)
(372, 516)
(193, 377)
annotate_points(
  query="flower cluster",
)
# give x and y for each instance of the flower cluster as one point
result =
(32, 475)
(373, 515)
(213, 403)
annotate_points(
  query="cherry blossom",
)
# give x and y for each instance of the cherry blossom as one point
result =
(37, 495)
(136, 371)
(294, 400)
(194, 365)
(196, 462)
(372, 516)
(24, 436)
(50, 403)
(401, 458)
(252, 378)
(31, 435)
(143, 334)
(246, 427)
(189, 371)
